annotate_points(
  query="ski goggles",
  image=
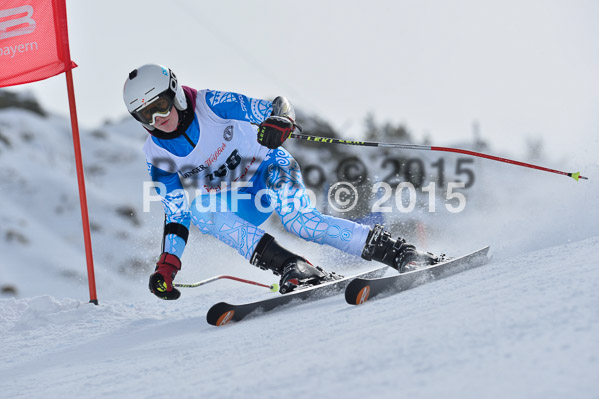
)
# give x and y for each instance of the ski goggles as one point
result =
(158, 106)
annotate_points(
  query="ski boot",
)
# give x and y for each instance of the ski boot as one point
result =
(395, 253)
(295, 271)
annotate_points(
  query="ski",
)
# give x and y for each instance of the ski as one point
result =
(223, 312)
(362, 289)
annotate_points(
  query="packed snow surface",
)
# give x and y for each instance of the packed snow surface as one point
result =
(523, 327)
(526, 325)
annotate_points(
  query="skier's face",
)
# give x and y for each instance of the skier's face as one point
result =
(168, 124)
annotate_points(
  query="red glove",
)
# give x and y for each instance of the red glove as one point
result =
(274, 131)
(161, 282)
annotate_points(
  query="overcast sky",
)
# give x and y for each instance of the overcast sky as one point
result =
(522, 68)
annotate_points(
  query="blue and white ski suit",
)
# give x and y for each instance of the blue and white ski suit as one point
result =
(218, 151)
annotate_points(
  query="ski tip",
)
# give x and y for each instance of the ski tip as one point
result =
(220, 314)
(356, 293)
(363, 295)
(225, 318)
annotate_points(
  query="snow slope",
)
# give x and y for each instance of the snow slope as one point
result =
(527, 327)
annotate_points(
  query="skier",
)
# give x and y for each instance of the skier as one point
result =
(227, 147)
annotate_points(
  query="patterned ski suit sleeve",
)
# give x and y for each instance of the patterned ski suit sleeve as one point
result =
(229, 105)
(176, 206)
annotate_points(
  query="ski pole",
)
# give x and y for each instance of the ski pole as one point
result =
(273, 287)
(576, 176)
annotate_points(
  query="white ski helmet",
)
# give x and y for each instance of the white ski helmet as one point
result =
(151, 90)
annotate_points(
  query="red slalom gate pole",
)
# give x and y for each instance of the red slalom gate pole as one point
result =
(82, 196)
(576, 176)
